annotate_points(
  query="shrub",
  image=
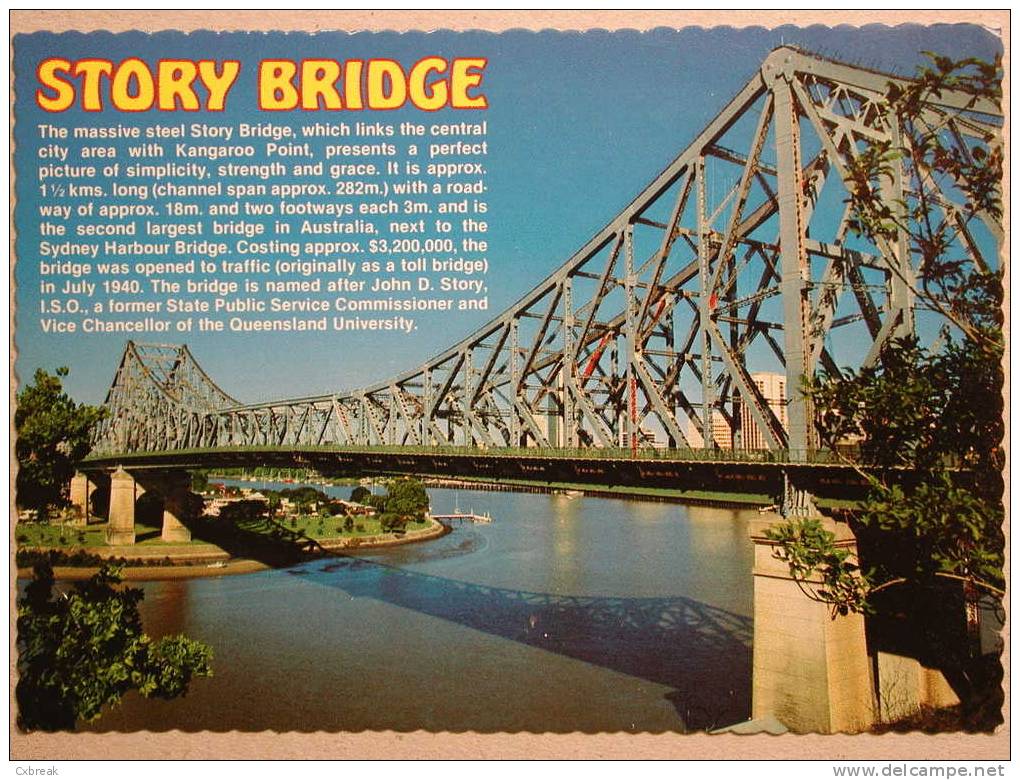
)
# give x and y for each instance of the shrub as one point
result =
(99, 626)
(390, 522)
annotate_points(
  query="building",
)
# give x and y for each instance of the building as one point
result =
(721, 434)
(773, 389)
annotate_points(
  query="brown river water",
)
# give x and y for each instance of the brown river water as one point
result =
(565, 614)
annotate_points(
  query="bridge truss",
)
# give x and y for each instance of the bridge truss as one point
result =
(739, 253)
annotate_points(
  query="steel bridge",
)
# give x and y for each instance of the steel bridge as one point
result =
(739, 253)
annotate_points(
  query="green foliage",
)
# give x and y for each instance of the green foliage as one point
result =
(360, 494)
(82, 651)
(936, 529)
(376, 502)
(920, 409)
(199, 481)
(273, 503)
(304, 495)
(811, 551)
(930, 154)
(406, 498)
(26, 558)
(53, 434)
(389, 522)
(243, 512)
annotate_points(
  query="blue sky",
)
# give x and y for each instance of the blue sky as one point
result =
(578, 124)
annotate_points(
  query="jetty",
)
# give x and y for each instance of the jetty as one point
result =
(464, 517)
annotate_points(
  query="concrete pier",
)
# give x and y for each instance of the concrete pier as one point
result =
(811, 671)
(124, 491)
(903, 685)
(175, 491)
(82, 488)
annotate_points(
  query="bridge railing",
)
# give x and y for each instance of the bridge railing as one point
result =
(812, 457)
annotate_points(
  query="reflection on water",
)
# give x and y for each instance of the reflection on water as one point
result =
(563, 615)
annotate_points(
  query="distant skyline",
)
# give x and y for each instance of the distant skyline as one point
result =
(578, 124)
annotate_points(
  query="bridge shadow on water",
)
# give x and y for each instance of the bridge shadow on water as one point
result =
(701, 652)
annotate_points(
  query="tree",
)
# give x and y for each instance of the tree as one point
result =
(931, 413)
(937, 412)
(244, 512)
(406, 498)
(360, 494)
(392, 522)
(53, 434)
(199, 481)
(82, 651)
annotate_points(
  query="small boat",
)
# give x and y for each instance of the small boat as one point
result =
(573, 493)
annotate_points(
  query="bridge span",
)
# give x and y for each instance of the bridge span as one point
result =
(760, 473)
(739, 258)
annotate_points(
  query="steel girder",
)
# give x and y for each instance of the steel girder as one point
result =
(737, 254)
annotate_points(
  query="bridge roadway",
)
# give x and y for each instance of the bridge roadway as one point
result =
(822, 474)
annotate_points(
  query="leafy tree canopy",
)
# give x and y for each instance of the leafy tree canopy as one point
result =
(199, 481)
(243, 512)
(406, 498)
(360, 494)
(82, 651)
(53, 434)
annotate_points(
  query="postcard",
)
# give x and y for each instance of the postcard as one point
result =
(379, 379)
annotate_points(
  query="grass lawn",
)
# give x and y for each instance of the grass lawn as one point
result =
(46, 535)
(333, 527)
(94, 535)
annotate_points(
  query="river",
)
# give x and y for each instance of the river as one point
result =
(565, 614)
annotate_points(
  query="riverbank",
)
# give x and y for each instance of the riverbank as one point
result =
(177, 562)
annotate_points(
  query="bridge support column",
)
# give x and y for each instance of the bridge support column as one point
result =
(810, 671)
(124, 491)
(175, 506)
(82, 488)
(904, 685)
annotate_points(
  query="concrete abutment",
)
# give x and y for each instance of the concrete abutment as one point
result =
(176, 490)
(82, 489)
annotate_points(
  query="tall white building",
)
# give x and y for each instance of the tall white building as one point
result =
(773, 389)
(720, 432)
